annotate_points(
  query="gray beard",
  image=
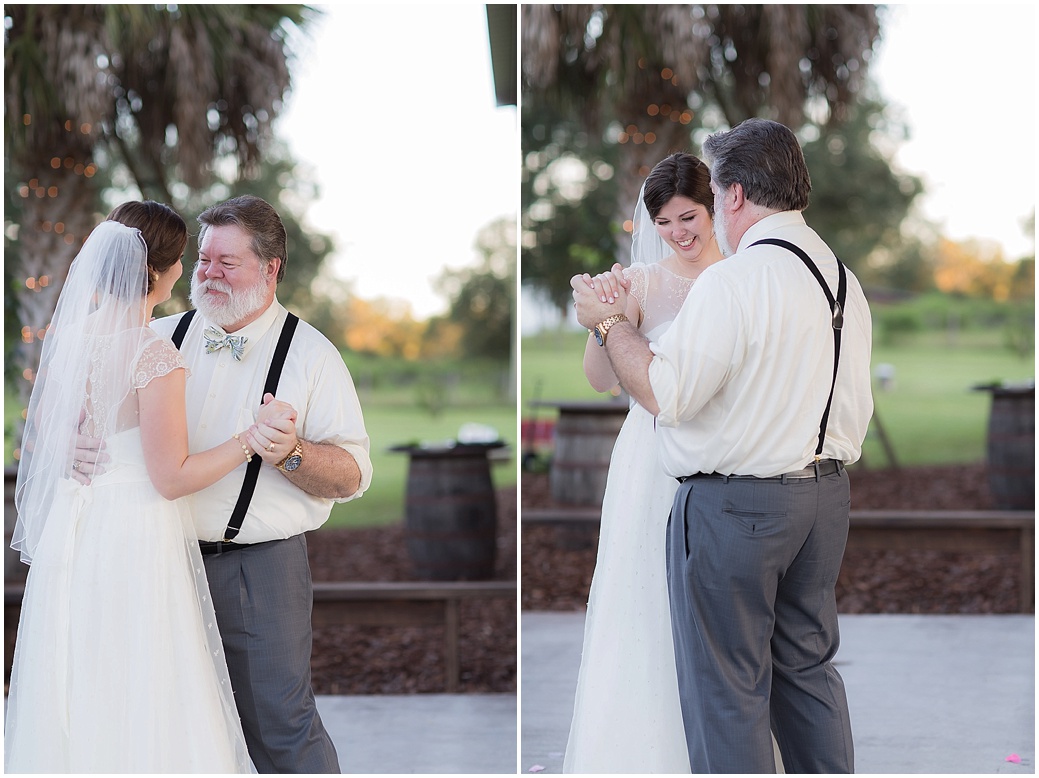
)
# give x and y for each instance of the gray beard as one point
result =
(240, 305)
(721, 234)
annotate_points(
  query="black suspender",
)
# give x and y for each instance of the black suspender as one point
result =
(252, 470)
(182, 328)
(836, 310)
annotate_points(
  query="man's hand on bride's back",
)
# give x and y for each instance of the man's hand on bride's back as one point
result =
(88, 459)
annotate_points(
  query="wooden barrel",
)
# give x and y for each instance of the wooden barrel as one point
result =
(1011, 448)
(584, 439)
(451, 520)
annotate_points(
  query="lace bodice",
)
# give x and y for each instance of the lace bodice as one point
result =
(121, 364)
(660, 294)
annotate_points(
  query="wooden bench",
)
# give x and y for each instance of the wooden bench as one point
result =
(406, 604)
(390, 603)
(962, 531)
(572, 515)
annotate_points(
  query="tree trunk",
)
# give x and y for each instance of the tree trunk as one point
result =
(58, 215)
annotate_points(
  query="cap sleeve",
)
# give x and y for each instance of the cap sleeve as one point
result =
(159, 357)
(639, 288)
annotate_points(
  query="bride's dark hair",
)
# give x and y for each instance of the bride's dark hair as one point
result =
(679, 174)
(164, 232)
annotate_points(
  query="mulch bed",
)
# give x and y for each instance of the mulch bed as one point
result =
(404, 660)
(393, 660)
(556, 575)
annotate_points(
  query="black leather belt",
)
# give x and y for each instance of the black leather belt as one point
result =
(814, 471)
(219, 546)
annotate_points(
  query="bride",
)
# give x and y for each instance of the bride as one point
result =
(118, 664)
(627, 716)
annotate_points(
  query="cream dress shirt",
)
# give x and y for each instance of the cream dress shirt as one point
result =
(223, 397)
(742, 375)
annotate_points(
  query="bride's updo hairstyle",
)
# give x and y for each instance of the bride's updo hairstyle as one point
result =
(164, 232)
(679, 174)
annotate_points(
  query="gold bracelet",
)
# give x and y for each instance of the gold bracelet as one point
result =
(245, 448)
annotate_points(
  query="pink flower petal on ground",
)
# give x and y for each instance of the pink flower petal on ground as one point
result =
(1013, 758)
(536, 768)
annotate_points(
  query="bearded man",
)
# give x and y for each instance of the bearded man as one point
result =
(240, 343)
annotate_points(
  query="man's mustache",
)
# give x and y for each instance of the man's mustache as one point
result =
(215, 284)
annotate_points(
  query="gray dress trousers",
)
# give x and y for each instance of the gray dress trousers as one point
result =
(263, 597)
(752, 566)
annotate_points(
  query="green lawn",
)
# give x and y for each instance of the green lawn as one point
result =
(389, 424)
(931, 415)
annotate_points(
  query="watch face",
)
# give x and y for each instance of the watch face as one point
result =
(293, 462)
(598, 336)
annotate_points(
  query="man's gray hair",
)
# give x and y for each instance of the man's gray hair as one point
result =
(765, 158)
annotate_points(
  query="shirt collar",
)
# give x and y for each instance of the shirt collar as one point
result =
(763, 227)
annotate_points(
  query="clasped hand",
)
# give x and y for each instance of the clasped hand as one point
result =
(273, 436)
(599, 297)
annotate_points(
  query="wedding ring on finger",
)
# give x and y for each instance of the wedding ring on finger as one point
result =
(271, 446)
(75, 464)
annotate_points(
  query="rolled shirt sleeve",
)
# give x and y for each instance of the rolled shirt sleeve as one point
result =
(696, 355)
(334, 416)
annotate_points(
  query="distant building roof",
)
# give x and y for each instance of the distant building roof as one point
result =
(501, 32)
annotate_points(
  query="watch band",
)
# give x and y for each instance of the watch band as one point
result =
(605, 325)
(293, 460)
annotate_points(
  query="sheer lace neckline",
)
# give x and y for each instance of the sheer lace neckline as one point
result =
(676, 274)
(660, 293)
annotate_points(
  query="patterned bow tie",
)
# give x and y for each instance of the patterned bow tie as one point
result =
(216, 340)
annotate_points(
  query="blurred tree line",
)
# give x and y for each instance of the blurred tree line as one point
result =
(478, 323)
(609, 90)
(176, 103)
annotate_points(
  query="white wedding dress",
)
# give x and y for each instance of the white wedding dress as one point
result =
(118, 665)
(627, 716)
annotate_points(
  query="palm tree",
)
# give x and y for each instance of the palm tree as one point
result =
(152, 93)
(645, 76)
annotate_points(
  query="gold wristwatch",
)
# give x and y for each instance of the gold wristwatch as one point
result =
(293, 460)
(604, 326)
